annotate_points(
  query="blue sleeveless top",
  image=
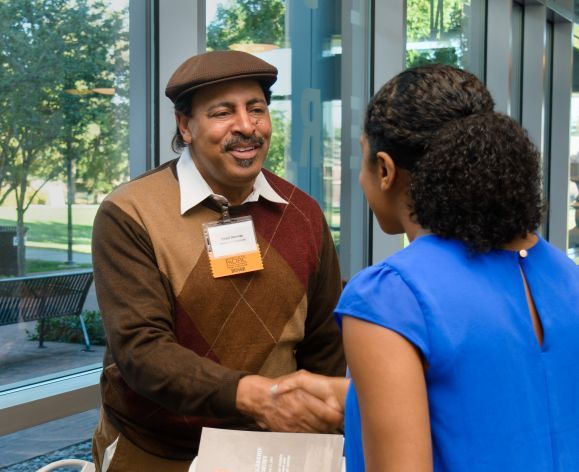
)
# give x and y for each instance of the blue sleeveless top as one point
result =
(498, 400)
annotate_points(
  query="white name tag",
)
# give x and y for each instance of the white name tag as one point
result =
(232, 247)
(227, 239)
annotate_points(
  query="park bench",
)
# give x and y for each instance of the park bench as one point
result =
(40, 297)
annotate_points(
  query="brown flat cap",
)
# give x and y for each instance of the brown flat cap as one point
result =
(218, 66)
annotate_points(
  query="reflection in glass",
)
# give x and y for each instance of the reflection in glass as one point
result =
(302, 39)
(443, 31)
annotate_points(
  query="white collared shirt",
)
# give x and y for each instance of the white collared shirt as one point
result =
(194, 189)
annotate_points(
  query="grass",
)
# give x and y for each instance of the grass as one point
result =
(36, 265)
(47, 226)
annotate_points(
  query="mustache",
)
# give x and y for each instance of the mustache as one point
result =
(249, 141)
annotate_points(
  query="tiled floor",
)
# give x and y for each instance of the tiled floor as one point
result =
(81, 450)
(41, 440)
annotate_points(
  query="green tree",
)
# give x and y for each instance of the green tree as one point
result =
(98, 117)
(7, 156)
(105, 159)
(247, 21)
(435, 20)
(50, 50)
(275, 161)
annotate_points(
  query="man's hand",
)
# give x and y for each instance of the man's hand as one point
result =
(331, 390)
(291, 409)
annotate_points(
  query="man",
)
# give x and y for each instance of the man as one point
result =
(216, 280)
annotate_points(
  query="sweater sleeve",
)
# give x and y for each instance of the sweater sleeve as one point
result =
(137, 308)
(321, 351)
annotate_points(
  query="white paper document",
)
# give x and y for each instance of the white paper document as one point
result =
(224, 450)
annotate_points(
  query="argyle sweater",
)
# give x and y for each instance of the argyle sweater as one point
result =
(178, 340)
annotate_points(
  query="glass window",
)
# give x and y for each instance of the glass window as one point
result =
(63, 147)
(517, 67)
(573, 214)
(445, 31)
(547, 117)
(303, 40)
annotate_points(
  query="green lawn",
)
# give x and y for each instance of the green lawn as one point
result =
(34, 266)
(47, 226)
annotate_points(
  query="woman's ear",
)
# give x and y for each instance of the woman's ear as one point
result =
(387, 170)
(183, 125)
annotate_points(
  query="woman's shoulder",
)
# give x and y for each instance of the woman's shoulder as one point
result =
(368, 289)
(380, 295)
(370, 274)
(393, 269)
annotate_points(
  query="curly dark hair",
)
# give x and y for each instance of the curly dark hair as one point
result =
(183, 106)
(474, 173)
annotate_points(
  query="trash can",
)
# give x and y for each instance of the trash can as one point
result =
(9, 250)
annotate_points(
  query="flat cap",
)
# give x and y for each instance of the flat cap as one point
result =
(215, 67)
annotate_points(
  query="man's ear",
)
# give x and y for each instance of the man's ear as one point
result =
(387, 170)
(183, 125)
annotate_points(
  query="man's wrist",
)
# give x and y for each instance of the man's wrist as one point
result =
(250, 394)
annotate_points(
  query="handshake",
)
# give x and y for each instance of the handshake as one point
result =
(300, 402)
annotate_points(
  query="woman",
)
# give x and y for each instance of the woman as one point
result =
(463, 348)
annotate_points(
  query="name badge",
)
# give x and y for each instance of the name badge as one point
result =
(232, 247)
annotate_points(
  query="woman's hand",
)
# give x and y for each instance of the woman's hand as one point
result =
(331, 390)
(280, 405)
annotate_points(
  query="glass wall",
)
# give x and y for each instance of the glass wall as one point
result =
(573, 199)
(517, 62)
(547, 116)
(446, 32)
(303, 40)
(63, 147)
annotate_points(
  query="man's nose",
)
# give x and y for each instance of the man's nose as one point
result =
(245, 123)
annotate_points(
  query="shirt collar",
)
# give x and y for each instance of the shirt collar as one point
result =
(194, 189)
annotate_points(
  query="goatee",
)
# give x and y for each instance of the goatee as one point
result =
(245, 163)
